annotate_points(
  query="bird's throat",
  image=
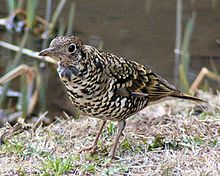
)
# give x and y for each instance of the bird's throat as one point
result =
(67, 71)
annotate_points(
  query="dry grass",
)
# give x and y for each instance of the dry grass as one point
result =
(172, 138)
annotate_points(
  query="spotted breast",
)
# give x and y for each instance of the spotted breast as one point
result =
(99, 89)
(106, 86)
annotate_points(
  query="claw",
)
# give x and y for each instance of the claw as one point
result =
(90, 149)
(93, 147)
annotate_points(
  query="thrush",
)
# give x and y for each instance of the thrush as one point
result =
(107, 86)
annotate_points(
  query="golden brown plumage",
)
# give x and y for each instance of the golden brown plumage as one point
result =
(106, 86)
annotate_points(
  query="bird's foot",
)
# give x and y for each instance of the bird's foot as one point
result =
(90, 149)
(112, 156)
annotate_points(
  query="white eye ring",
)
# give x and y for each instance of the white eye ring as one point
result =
(72, 48)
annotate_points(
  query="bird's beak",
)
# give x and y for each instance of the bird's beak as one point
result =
(51, 52)
(46, 52)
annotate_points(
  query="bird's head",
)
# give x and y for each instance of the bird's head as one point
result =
(71, 54)
(65, 50)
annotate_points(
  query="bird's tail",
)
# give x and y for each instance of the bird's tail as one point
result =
(187, 97)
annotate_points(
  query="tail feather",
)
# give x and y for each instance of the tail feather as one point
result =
(187, 97)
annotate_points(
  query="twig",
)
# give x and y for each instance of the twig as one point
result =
(39, 120)
(21, 69)
(178, 40)
(16, 129)
(202, 74)
(27, 52)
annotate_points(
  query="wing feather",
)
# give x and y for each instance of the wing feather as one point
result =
(136, 80)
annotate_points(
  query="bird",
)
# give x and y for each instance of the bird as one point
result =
(107, 86)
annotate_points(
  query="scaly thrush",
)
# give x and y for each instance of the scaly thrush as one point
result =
(106, 86)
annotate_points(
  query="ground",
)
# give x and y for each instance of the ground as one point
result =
(171, 138)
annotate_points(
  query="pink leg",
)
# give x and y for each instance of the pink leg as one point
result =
(121, 126)
(94, 145)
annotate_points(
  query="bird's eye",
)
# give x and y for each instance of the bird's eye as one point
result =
(72, 48)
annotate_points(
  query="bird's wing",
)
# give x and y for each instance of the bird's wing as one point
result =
(133, 79)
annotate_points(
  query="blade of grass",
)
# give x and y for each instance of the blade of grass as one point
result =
(15, 63)
(56, 15)
(214, 68)
(31, 12)
(35, 95)
(47, 17)
(213, 65)
(30, 89)
(12, 5)
(71, 18)
(178, 40)
(43, 76)
(4, 90)
(183, 78)
(19, 53)
(20, 4)
(185, 54)
(24, 97)
(61, 28)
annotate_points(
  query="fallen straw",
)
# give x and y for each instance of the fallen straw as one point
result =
(27, 52)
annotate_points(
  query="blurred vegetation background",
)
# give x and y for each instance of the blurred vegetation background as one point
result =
(175, 38)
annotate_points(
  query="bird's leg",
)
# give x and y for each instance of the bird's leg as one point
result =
(94, 145)
(121, 126)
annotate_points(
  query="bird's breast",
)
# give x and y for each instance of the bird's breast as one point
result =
(87, 91)
(95, 95)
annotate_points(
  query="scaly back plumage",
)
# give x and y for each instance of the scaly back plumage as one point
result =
(106, 86)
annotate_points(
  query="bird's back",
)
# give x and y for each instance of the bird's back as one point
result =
(106, 86)
(113, 88)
